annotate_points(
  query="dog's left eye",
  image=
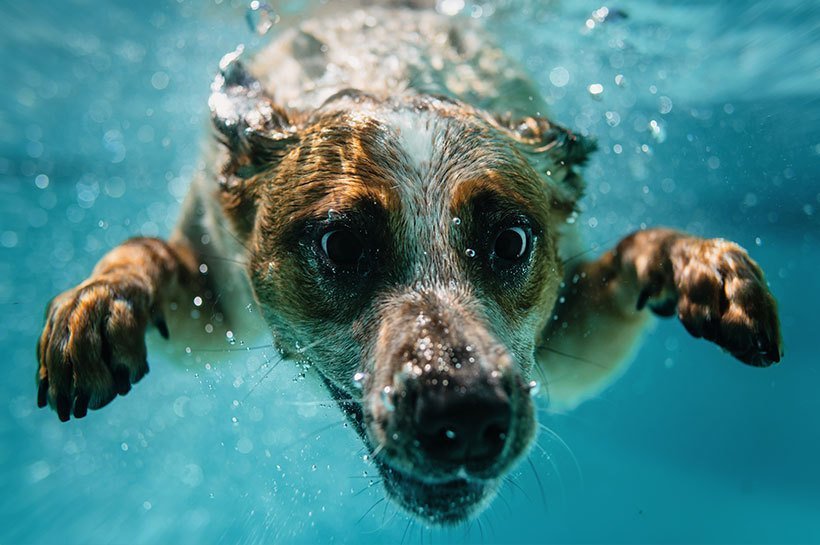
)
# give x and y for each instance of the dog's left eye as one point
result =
(342, 247)
(511, 244)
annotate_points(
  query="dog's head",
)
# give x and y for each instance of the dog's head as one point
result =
(410, 244)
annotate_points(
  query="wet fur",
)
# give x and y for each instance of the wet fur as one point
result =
(405, 135)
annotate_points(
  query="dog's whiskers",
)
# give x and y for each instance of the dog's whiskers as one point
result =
(366, 488)
(375, 452)
(371, 508)
(316, 433)
(555, 470)
(303, 349)
(323, 402)
(565, 446)
(223, 258)
(546, 346)
(410, 522)
(538, 480)
(262, 379)
(233, 236)
(509, 479)
(506, 502)
(593, 247)
(240, 349)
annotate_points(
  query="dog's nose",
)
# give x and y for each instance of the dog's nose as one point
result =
(466, 428)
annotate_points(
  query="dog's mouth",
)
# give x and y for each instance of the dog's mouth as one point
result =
(440, 502)
(438, 492)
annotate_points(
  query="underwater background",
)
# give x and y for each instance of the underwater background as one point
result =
(708, 119)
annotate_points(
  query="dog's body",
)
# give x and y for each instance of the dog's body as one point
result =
(385, 188)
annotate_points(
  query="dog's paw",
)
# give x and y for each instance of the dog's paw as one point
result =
(93, 344)
(717, 290)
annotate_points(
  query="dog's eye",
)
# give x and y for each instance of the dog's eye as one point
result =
(342, 247)
(511, 243)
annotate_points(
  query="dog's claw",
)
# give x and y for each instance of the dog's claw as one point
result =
(63, 407)
(80, 405)
(122, 379)
(162, 327)
(42, 393)
(643, 298)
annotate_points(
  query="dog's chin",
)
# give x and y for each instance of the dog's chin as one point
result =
(441, 502)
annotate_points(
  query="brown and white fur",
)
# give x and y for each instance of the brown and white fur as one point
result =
(399, 202)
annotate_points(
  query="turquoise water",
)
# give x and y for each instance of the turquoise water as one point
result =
(102, 109)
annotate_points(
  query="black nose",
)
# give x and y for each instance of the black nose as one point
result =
(468, 429)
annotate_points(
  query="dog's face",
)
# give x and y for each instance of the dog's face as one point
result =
(410, 246)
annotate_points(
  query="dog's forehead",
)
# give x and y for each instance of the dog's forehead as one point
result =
(425, 160)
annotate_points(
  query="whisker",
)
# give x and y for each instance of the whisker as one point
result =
(406, 528)
(320, 430)
(261, 380)
(311, 345)
(555, 469)
(233, 236)
(506, 502)
(379, 448)
(369, 510)
(223, 258)
(566, 447)
(514, 483)
(545, 346)
(240, 349)
(593, 247)
(490, 524)
(366, 488)
(322, 403)
(538, 480)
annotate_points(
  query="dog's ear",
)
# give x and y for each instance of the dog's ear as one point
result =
(556, 152)
(255, 131)
(255, 134)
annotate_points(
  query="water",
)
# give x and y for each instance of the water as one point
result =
(708, 119)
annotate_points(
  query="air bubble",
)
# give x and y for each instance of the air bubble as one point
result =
(470, 252)
(450, 434)
(456, 221)
(559, 76)
(358, 379)
(657, 131)
(595, 90)
(261, 17)
(387, 400)
(535, 388)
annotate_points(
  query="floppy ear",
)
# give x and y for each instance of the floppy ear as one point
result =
(255, 134)
(255, 131)
(556, 152)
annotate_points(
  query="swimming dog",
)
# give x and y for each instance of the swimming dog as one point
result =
(398, 204)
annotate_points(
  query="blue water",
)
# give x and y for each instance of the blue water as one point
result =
(102, 108)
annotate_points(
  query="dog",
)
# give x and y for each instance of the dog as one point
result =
(384, 186)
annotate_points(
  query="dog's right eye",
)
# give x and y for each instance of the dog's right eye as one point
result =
(342, 247)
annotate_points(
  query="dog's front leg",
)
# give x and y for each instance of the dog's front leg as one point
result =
(93, 343)
(717, 291)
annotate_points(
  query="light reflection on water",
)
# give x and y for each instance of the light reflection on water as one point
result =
(707, 119)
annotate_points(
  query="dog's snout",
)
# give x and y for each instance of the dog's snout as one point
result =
(465, 426)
